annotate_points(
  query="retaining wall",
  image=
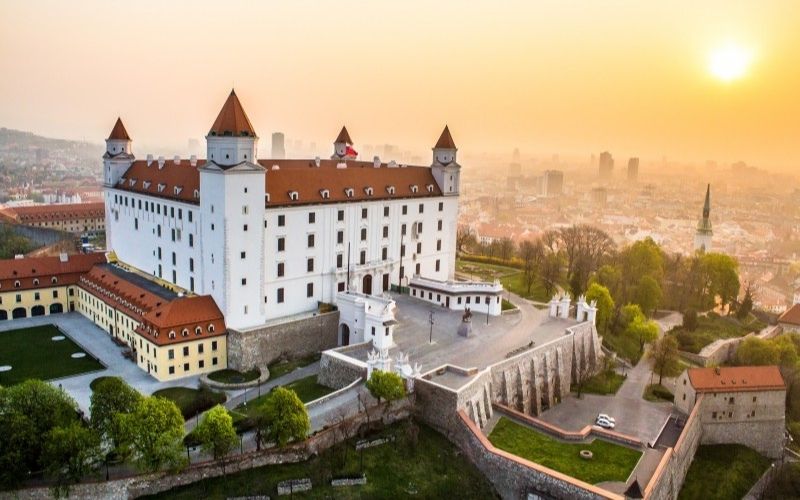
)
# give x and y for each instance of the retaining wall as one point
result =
(295, 339)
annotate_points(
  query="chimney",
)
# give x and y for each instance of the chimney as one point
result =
(149, 159)
(276, 167)
(160, 162)
(62, 257)
(392, 164)
(341, 165)
(19, 256)
(316, 161)
(376, 162)
(193, 160)
(176, 159)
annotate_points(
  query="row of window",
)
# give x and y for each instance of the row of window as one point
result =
(152, 207)
(467, 299)
(185, 351)
(200, 365)
(37, 295)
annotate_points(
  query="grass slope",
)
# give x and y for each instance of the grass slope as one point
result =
(722, 472)
(307, 389)
(32, 353)
(283, 367)
(611, 462)
(601, 383)
(192, 401)
(432, 469)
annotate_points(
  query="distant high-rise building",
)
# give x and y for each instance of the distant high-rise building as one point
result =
(278, 146)
(633, 169)
(606, 166)
(703, 235)
(600, 195)
(553, 183)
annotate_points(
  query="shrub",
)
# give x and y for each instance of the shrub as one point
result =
(690, 320)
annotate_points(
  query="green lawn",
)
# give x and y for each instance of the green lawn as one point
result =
(611, 462)
(483, 271)
(32, 353)
(507, 306)
(516, 284)
(307, 389)
(230, 376)
(625, 346)
(722, 472)
(283, 367)
(192, 401)
(433, 468)
(602, 383)
(656, 393)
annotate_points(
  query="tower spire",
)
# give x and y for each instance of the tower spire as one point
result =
(704, 233)
(232, 120)
(707, 204)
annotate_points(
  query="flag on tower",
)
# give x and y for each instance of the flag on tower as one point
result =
(349, 151)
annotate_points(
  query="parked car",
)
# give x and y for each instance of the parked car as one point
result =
(605, 423)
(610, 419)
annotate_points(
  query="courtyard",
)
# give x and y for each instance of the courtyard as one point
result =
(41, 352)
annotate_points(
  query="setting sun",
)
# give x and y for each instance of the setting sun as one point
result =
(730, 62)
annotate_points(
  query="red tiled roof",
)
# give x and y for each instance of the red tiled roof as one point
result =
(736, 378)
(445, 140)
(44, 269)
(791, 315)
(41, 213)
(344, 136)
(232, 120)
(157, 315)
(302, 176)
(119, 132)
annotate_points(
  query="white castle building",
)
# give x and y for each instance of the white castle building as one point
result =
(268, 239)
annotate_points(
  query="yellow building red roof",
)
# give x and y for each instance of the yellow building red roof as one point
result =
(736, 378)
(63, 212)
(38, 272)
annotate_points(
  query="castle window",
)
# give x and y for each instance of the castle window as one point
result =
(172, 334)
(441, 206)
(196, 195)
(348, 192)
(340, 215)
(312, 217)
(414, 188)
(185, 332)
(368, 191)
(210, 328)
(36, 282)
(390, 189)
(294, 195)
(325, 193)
(177, 190)
(198, 330)
(430, 188)
(281, 220)
(161, 187)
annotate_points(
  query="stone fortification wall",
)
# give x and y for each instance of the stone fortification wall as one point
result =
(514, 477)
(337, 369)
(302, 337)
(671, 471)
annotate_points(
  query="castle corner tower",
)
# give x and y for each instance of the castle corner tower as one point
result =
(446, 170)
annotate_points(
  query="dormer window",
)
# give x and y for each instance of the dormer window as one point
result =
(146, 184)
(36, 282)
(210, 328)
(325, 193)
(390, 190)
(197, 193)
(16, 284)
(185, 332)
(161, 187)
(414, 188)
(349, 192)
(429, 187)
(177, 190)
(368, 190)
(198, 330)
(54, 280)
(132, 182)
(172, 334)
(294, 195)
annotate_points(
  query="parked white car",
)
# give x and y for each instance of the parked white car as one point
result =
(606, 417)
(605, 423)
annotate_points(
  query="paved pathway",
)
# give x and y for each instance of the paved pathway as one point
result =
(98, 343)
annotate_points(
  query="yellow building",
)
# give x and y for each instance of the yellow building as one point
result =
(42, 285)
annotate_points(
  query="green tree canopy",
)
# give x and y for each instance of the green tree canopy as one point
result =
(722, 276)
(643, 331)
(690, 320)
(605, 305)
(216, 432)
(754, 351)
(70, 453)
(286, 417)
(386, 386)
(648, 294)
(153, 431)
(111, 396)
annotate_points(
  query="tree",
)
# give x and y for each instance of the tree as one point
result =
(28, 412)
(690, 320)
(754, 351)
(111, 396)
(216, 432)
(286, 417)
(643, 331)
(551, 273)
(506, 249)
(154, 433)
(747, 303)
(386, 386)
(531, 255)
(722, 277)
(664, 356)
(465, 237)
(605, 305)
(70, 453)
(648, 294)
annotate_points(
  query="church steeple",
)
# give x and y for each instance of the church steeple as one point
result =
(704, 233)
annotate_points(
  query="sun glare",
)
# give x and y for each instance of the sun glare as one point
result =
(730, 62)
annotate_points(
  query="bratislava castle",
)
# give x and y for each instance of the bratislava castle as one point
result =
(268, 239)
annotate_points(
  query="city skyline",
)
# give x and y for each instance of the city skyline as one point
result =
(543, 77)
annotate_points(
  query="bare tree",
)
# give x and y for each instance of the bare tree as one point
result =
(532, 255)
(465, 236)
(507, 247)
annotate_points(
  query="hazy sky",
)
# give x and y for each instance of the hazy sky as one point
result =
(562, 76)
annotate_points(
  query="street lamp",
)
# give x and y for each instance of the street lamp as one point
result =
(430, 319)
